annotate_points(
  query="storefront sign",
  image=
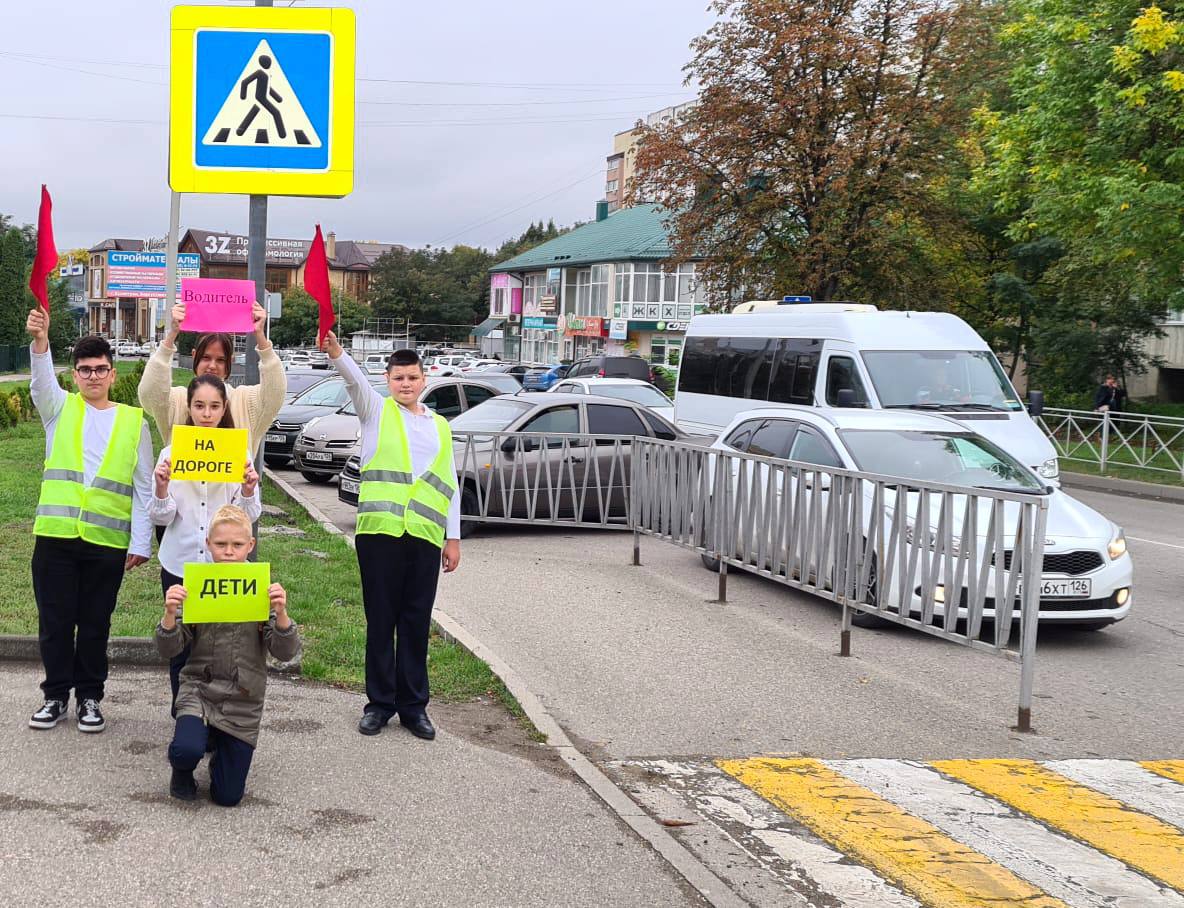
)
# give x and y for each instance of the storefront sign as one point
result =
(618, 329)
(584, 326)
(540, 322)
(657, 326)
(142, 273)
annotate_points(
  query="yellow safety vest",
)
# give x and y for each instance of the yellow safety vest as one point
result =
(101, 512)
(391, 500)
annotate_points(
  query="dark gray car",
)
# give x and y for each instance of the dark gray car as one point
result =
(327, 396)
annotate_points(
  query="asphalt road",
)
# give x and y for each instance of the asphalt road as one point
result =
(639, 662)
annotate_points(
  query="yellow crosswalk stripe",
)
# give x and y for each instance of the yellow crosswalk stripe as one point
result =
(917, 856)
(1141, 841)
(1169, 769)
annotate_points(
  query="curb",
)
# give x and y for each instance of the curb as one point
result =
(694, 871)
(120, 650)
(1130, 488)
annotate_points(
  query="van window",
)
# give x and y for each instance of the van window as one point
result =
(841, 375)
(940, 379)
(793, 380)
(750, 368)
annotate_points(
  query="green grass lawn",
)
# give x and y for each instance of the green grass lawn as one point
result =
(319, 571)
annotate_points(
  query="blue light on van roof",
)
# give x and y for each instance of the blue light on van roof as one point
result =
(796, 299)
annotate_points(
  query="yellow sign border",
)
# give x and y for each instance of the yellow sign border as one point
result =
(185, 176)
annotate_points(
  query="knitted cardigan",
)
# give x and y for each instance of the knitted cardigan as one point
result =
(253, 407)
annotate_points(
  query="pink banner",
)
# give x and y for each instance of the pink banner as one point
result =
(217, 304)
(516, 300)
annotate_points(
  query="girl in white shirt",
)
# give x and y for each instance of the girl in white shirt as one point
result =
(185, 507)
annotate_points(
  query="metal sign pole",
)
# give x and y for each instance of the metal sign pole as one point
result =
(170, 261)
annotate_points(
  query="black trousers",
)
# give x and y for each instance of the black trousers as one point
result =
(75, 584)
(229, 764)
(178, 661)
(399, 578)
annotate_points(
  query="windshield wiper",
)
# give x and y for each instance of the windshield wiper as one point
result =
(946, 407)
(1043, 490)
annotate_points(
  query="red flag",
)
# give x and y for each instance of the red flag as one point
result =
(46, 261)
(316, 282)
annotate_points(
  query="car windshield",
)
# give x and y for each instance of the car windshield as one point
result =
(299, 381)
(350, 410)
(492, 416)
(329, 393)
(953, 459)
(646, 395)
(940, 380)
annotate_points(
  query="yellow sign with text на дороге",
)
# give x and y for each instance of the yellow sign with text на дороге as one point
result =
(226, 592)
(208, 455)
(262, 101)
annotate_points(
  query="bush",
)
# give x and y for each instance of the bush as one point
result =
(127, 386)
(12, 404)
(665, 379)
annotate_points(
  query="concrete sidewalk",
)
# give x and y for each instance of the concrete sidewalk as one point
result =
(481, 816)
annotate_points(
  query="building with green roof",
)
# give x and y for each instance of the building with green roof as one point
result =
(601, 288)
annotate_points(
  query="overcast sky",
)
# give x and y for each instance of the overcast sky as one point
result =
(462, 164)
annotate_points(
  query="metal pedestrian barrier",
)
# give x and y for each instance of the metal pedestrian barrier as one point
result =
(1116, 440)
(957, 563)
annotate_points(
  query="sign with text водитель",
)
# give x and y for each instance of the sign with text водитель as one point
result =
(209, 455)
(215, 305)
(225, 593)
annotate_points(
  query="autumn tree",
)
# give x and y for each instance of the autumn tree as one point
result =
(810, 156)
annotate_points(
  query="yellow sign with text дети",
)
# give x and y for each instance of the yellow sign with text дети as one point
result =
(209, 455)
(230, 591)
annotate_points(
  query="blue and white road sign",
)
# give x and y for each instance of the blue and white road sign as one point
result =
(262, 101)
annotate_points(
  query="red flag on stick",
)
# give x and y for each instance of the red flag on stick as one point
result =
(47, 256)
(316, 282)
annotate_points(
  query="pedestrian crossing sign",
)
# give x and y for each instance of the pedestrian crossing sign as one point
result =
(262, 101)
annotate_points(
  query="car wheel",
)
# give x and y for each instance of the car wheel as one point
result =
(319, 478)
(468, 505)
(863, 619)
(710, 562)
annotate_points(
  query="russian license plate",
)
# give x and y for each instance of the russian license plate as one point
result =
(1069, 588)
(318, 455)
(348, 485)
(278, 439)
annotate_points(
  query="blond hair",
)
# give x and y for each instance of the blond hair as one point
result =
(228, 513)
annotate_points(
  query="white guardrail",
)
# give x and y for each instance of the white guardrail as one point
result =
(1115, 440)
(970, 576)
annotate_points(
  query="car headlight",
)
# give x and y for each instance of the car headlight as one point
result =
(1050, 469)
(1117, 546)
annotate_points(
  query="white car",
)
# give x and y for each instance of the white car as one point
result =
(127, 348)
(375, 363)
(298, 359)
(447, 364)
(1087, 571)
(634, 389)
(146, 348)
(476, 365)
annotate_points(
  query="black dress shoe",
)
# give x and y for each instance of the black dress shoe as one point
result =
(182, 786)
(420, 726)
(371, 723)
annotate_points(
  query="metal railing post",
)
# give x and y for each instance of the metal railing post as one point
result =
(1030, 609)
(1105, 454)
(723, 581)
(845, 632)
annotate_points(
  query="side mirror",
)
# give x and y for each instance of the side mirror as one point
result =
(846, 397)
(510, 445)
(1036, 403)
(529, 444)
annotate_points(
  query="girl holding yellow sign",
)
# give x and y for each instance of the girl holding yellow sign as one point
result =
(184, 508)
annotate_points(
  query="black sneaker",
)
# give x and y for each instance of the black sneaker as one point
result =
(90, 717)
(51, 713)
(182, 786)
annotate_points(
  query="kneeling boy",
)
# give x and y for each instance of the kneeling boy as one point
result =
(220, 700)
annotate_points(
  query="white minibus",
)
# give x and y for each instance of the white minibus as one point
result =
(766, 354)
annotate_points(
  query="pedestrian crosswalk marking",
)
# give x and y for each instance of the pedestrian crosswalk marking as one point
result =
(1143, 842)
(940, 871)
(1129, 783)
(1169, 769)
(262, 109)
(1062, 867)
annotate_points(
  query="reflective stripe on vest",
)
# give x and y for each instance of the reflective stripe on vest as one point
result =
(100, 513)
(390, 499)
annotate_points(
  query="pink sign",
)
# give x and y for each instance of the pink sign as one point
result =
(499, 281)
(217, 304)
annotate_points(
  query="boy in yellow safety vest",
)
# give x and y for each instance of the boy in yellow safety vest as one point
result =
(91, 523)
(408, 525)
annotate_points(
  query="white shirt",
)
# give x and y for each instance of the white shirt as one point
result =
(49, 398)
(186, 511)
(423, 439)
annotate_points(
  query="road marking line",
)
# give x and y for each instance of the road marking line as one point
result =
(1143, 842)
(941, 872)
(778, 845)
(1130, 783)
(1062, 867)
(1169, 545)
(1169, 769)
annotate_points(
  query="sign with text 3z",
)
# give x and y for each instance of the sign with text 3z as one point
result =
(262, 101)
(228, 592)
(210, 455)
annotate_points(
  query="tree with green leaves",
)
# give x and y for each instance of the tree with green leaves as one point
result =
(1087, 152)
(15, 299)
(297, 326)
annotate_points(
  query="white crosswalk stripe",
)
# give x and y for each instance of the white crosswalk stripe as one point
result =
(739, 833)
(1068, 870)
